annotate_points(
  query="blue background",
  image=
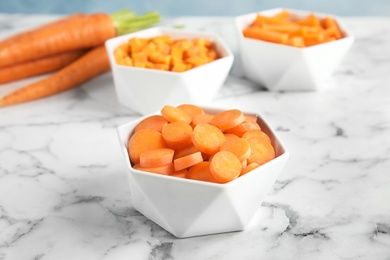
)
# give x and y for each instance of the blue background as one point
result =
(197, 7)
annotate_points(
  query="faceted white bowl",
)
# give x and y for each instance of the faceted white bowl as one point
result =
(147, 90)
(281, 67)
(187, 207)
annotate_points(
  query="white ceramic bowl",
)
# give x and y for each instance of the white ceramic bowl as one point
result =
(186, 207)
(147, 90)
(285, 68)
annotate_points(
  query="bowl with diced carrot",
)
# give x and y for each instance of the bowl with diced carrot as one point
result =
(199, 170)
(159, 66)
(291, 50)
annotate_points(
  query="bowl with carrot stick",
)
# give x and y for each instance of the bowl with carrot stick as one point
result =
(160, 65)
(291, 50)
(199, 170)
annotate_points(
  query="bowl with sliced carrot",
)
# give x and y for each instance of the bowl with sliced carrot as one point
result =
(159, 66)
(291, 50)
(199, 170)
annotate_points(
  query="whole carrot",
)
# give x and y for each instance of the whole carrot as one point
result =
(88, 66)
(37, 67)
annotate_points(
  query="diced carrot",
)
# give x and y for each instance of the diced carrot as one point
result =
(261, 151)
(144, 140)
(136, 44)
(201, 172)
(190, 109)
(179, 67)
(248, 168)
(254, 133)
(155, 122)
(228, 119)
(207, 138)
(165, 170)
(197, 60)
(242, 128)
(187, 161)
(225, 166)
(156, 157)
(238, 146)
(177, 134)
(329, 22)
(174, 114)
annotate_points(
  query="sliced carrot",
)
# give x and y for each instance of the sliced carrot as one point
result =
(177, 134)
(179, 174)
(202, 118)
(156, 157)
(174, 114)
(155, 122)
(189, 149)
(207, 138)
(190, 109)
(254, 133)
(250, 118)
(228, 119)
(165, 170)
(225, 166)
(201, 172)
(242, 128)
(187, 161)
(261, 151)
(144, 140)
(238, 146)
(248, 168)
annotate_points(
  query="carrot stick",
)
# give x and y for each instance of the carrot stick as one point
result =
(37, 67)
(88, 66)
(265, 35)
(142, 141)
(187, 161)
(156, 158)
(89, 32)
(225, 166)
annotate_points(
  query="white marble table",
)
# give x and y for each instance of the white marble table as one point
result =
(64, 192)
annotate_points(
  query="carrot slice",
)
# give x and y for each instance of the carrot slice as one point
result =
(144, 140)
(202, 118)
(250, 118)
(189, 149)
(187, 161)
(262, 151)
(179, 174)
(248, 168)
(165, 170)
(242, 128)
(192, 110)
(259, 133)
(177, 134)
(156, 158)
(238, 146)
(201, 172)
(225, 166)
(207, 138)
(228, 119)
(174, 114)
(155, 122)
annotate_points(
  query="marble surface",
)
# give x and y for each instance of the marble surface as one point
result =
(64, 192)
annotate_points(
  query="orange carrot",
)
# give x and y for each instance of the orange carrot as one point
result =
(202, 118)
(261, 151)
(187, 161)
(228, 119)
(250, 118)
(207, 138)
(253, 133)
(177, 134)
(225, 166)
(156, 157)
(242, 128)
(155, 122)
(190, 109)
(88, 66)
(174, 114)
(248, 168)
(201, 172)
(238, 146)
(88, 32)
(265, 35)
(179, 174)
(37, 67)
(165, 170)
(142, 141)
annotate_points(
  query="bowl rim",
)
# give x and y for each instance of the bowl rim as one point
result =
(124, 140)
(238, 21)
(112, 43)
